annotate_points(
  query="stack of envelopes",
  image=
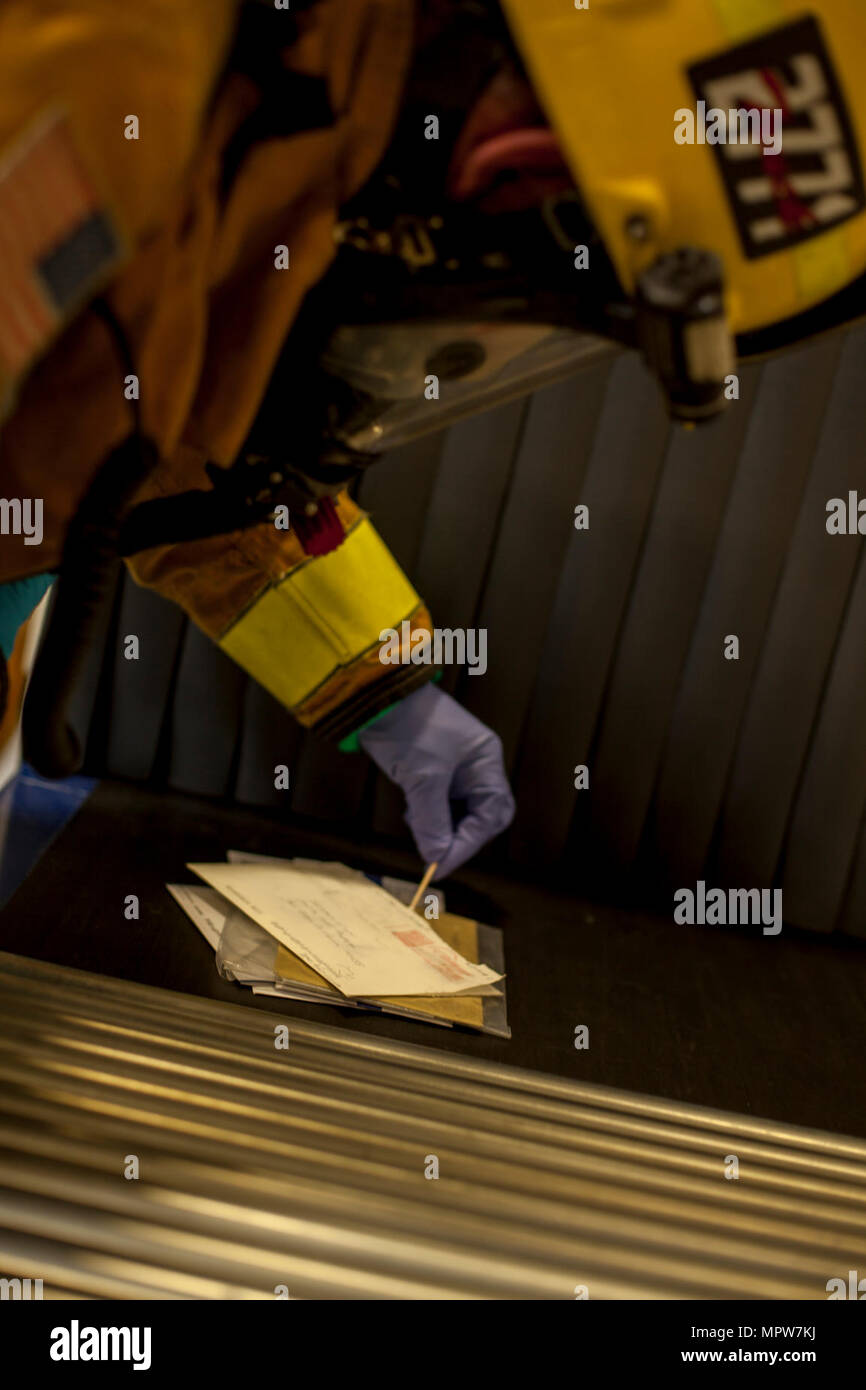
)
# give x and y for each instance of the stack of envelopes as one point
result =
(324, 933)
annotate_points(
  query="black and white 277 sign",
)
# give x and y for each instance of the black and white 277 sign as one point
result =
(815, 179)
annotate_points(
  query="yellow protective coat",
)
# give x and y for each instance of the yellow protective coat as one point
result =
(206, 312)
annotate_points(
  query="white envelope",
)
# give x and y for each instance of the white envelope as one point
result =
(351, 931)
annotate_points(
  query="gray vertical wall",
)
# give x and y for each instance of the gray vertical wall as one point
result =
(606, 646)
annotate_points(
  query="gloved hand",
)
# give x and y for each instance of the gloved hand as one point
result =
(435, 750)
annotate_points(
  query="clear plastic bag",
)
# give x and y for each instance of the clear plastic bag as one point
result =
(246, 952)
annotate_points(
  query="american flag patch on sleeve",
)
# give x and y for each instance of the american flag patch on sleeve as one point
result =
(58, 243)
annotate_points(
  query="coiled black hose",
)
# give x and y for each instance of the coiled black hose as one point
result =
(87, 573)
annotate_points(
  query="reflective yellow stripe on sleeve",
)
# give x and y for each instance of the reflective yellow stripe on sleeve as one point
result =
(321, 617)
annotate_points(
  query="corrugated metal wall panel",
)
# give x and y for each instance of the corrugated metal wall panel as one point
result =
(658, 623)
(852, 918)
(584, 622)
(797, 650)
(270, 737)
(140, 690)
(206, 707)
(765, 499)
(529, 550)
(832, 792)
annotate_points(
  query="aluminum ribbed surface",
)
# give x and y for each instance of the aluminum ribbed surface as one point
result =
(305, 1167)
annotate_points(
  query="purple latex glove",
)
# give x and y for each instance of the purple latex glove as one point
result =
(435, 750)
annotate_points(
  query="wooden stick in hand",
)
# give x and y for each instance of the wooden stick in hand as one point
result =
(429, 872)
